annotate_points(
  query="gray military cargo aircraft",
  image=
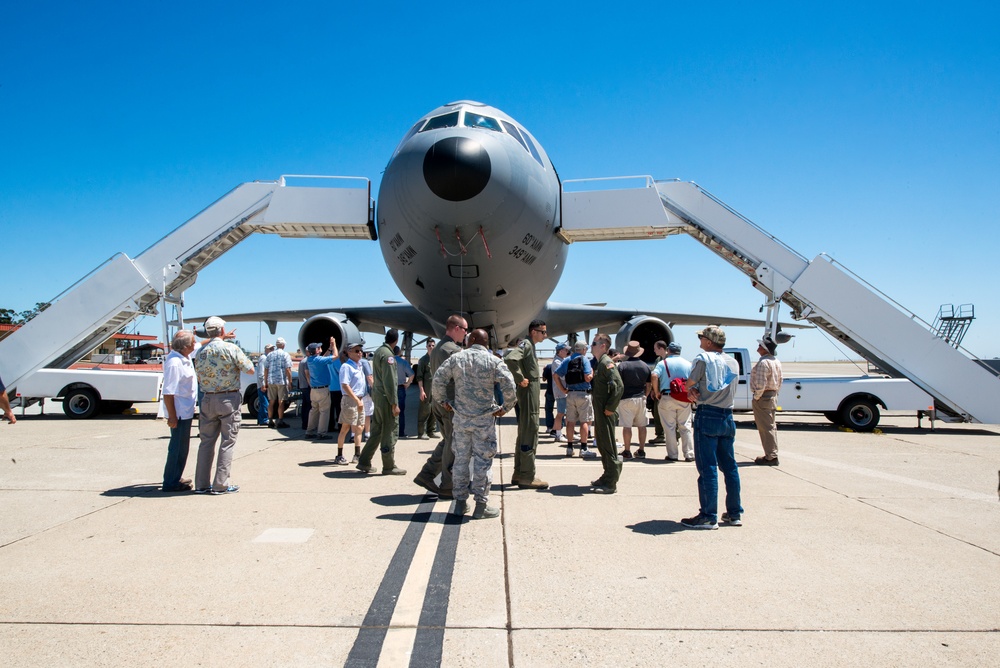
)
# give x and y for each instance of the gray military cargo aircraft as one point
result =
(468, 216)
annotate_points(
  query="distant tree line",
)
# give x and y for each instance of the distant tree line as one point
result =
(11, 317)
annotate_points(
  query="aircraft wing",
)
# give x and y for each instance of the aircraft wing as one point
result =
(403, 317)
(565, 318)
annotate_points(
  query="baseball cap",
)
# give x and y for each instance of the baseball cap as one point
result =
(715, 334)
(674, 347)
(314, 348)
(215, 322)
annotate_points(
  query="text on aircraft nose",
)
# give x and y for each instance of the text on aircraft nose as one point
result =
(457, 168)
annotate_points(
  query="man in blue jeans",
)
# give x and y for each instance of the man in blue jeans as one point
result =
(712, 385)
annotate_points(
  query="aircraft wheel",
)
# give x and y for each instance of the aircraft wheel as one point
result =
(81, 403)
(859, 414)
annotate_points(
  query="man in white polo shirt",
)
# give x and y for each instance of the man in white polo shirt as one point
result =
(180, 393)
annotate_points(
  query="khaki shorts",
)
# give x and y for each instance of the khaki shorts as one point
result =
(579, 408)
(632, 412)
(277, 392)
(350, 414)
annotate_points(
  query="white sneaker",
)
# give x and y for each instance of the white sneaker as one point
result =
(558, 436)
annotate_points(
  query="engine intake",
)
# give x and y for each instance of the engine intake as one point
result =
(319, 329)
(647, 330)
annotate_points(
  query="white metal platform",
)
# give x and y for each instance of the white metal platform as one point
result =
(818, 290)
(122, 289)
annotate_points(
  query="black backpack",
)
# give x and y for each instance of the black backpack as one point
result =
(574, 371)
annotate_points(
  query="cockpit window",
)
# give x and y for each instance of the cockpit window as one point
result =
(533, 149)
(512, 131)
(409, 134)
(473, 120)
(524, 140)
(444, 121)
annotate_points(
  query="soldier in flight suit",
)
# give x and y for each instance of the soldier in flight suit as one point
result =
(442, 459)
(523, 366)
(475, 372)
(606, 392)
(385, 421)
(426, 424)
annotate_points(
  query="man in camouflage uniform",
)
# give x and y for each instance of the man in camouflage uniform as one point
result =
(425, 416)
(385, 421)
(442, 459)
(606, 392)
(523, 366)
(475, 373)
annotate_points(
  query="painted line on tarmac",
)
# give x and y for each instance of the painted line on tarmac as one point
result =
(405, 621)
(892, 477)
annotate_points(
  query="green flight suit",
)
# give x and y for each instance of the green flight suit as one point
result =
(385, 425)
(523, 364)
(442, 459)
(426, 424)
(606, 391)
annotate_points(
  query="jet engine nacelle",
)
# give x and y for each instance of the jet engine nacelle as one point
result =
(319, 329)
(647, 330)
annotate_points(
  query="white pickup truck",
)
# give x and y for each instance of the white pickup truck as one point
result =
(852, 401)
(88, 392)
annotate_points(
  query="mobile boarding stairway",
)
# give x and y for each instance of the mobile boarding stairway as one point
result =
(122, 289)
(818, 290)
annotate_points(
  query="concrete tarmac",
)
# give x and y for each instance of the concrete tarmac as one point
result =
(860, 549)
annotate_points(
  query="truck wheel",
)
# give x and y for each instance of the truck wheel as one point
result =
(251, 399)
(859, 414)
(832, 416)
(81, 403)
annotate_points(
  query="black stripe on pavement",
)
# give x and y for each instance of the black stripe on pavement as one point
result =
(368, 644)
(429, 643)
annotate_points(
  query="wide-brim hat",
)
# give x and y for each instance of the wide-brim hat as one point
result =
(633, 349)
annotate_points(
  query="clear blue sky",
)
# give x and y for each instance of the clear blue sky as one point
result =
(869, 131)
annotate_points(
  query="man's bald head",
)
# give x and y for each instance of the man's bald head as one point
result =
(479, 336)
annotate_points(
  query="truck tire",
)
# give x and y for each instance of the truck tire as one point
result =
(81, 403)
(859, 414)
(250, 398)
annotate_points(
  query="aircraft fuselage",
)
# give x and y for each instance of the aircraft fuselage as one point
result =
(466, 215)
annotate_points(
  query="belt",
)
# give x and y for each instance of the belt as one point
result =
(224, 392)
(705, 408)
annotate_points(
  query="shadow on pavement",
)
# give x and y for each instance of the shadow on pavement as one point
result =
(318, 462)
(132, 491)
(349, 474)
(657, 527)
(395, 500)
(567, 490)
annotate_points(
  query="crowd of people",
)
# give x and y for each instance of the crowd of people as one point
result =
(463, 389)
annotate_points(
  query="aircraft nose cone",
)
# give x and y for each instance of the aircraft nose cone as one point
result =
(457, 168)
